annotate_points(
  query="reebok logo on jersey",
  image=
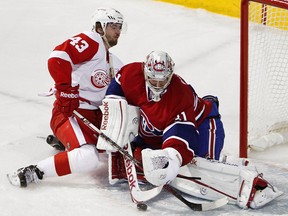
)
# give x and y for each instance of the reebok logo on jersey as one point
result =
(70, 95)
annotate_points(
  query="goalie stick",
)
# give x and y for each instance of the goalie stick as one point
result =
(194, 206)
(138, 196)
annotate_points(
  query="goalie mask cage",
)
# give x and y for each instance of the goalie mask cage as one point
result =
(263, 74)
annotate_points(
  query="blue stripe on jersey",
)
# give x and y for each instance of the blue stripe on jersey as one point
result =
(115, 89)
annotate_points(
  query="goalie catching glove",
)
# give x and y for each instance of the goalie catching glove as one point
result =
(161, 166)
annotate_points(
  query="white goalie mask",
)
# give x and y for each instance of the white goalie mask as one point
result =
(158, 71)
(108, 15)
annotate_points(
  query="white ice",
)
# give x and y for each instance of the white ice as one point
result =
(205, 47)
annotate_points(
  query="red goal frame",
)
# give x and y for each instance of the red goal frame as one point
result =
(244, 24)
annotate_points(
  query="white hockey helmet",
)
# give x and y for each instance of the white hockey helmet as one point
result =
(105, 15)
(158, 71)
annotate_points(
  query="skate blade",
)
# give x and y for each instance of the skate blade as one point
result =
(14, 179)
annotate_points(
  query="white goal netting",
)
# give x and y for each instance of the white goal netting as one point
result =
(268, 76)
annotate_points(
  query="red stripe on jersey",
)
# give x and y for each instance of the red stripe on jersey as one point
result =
(62, 165)
(184, 150)
(202, 110)
(60, 71)
(212, 132)
(80, 48)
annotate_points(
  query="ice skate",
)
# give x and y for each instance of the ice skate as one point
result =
(23, 176)
(55, 143)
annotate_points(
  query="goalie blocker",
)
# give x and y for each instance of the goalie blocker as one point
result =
(119, 122)
(243, 185)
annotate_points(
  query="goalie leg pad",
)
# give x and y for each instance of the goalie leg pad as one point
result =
(234, 160)
(246, 192)
(255, 192)
(262, 197)
(216, 180)
(116, 167)
(242, 185)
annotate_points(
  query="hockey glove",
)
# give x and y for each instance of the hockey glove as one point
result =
(67, 99)
(161, 166)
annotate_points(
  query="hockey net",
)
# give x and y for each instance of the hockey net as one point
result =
(264, 74)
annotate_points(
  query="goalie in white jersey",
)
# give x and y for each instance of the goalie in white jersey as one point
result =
(82, 68)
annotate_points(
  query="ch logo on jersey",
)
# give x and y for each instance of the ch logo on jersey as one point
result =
(147, 128)
(100, 79)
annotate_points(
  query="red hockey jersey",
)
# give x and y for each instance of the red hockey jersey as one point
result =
(171, 122)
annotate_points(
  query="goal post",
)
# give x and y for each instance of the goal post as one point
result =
(263, 74)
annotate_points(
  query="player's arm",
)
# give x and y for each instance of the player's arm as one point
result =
(73, 51)
(115, 90)
(67, 96)
(179, 136)
(175, 151)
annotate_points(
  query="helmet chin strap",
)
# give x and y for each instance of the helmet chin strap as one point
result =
(111, 68)
(106, 41)
(110, 61)
(156, 97)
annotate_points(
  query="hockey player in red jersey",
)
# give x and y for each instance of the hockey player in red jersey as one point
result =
(174, 121)
(179, 135)
(82, 68)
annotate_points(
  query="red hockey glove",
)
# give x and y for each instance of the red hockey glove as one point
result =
(67, 99)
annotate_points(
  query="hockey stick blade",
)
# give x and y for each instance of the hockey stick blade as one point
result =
(137, 195)
(214, 204)
(198, 206)
(145, 195)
